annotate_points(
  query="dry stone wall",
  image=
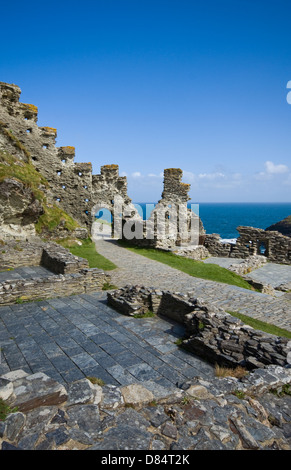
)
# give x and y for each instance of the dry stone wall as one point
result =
(210, 332)
(82, 282)
(69, 274)
(252, 241)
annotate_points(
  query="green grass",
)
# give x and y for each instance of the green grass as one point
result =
(262, 326)
(88, 251)
(148, 314)
(5, 410)
(211, 272)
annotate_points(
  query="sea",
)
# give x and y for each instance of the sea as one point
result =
(224, 217)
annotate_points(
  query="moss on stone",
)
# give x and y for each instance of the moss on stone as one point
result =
(26, 173)
(49, 130)
(30, 107)
(14, 140)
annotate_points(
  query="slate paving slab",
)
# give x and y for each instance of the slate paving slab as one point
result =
(79, 336)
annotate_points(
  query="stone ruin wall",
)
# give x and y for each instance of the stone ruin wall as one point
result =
(72, 185)
(171, 224)
(67, 273)
(210, 332)
(250, 241)
(80, 193)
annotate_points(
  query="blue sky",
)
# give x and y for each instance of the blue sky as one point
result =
(199, 85)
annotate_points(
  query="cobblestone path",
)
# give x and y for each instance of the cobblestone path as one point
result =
(136, 269)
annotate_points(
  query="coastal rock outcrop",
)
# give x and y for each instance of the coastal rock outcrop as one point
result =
(284, 226)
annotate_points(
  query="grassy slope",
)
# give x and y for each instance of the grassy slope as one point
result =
(262, 326)
(194, 268)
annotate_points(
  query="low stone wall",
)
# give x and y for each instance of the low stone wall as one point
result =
(87, 280)
(248, 264)
(198, 252)
(215, 247)
(60, 261)
(51, 255)
(252, 241)
(15, 254)
(210, 332)
(70, 274)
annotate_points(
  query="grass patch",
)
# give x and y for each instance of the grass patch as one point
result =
(262, 326)
(52, 218)
(284, 390)
(12, 167)
(88, 251)
(211, 272)
(96, 381)
(108, 286)
(5, 410)
(148, 314)
(237, 372)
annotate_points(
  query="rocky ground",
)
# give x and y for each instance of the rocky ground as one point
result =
(252, 413)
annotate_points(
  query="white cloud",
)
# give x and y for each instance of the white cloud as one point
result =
(273, 169)
(136, 174)
(153, 175)
(211, 176)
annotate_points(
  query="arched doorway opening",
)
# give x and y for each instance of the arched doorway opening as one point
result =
(102, 225)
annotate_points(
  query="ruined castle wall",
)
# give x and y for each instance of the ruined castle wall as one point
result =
(251, 241)
(171, 223)
(72, 184)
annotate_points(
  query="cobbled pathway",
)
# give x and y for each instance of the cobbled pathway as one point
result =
(137, 269)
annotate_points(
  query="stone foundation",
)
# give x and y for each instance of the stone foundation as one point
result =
(210, 332)
(70, 274)
(84, 281)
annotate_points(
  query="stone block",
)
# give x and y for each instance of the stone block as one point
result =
(37, 390)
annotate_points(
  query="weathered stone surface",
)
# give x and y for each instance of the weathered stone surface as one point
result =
(257, 420)
(136, 394)
(82, 391)
(6, 389)
(18, 205)
(199, 392)
(210, 332)
(38, 390)
(251, 242)
(284, 226)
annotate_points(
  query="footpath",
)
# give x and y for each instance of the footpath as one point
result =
(137, 269)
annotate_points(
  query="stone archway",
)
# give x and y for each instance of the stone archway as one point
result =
(102, 224)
